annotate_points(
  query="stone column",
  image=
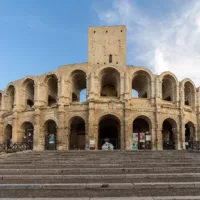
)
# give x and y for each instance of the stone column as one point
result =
(38, 137)
(127, 127)
(61, 135)
(177, 134)
(153, 136)
(122, 138)
(181, 118)
(158, 126)
(15, 127)
(86, 137)
(127, 88)
(182, 133)
(91, 84)
(67, 133)
(122, 87)
(159, 137)
(152, 91)
(91, 118)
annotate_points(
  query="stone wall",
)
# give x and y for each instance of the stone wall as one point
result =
(180, 108)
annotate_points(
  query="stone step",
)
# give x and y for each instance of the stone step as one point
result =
(100, 186)
(74, 171)
(51, 166)
(117, 198)
(115, 178)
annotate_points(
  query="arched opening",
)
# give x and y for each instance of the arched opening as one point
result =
(78, 86)
(189, 133)
(141, 133)
(141, 85)
(50, 132)
(11, 97)
(52, 90)
(109, 129)
(189, 93)
(169, 88)
(110, 82)
(8, 135)
(77, 134)
(27, 133)
(29, 93)
(168, 132)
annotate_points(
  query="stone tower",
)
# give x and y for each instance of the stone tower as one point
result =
(107, 45)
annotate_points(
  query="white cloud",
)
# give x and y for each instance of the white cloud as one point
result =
(168, 43)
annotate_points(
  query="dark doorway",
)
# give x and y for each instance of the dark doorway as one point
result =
(168, 134)
(141, 134)
(189, 134)
(28, 131)
(77, 134)
(50, 129)
(8, 135)
(109, 128)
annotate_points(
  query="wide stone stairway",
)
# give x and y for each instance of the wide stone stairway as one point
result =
(99, 174)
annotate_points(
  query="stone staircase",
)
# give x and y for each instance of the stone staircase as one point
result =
(99, 174)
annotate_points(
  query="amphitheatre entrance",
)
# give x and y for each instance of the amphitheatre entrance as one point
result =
(189, 133)
(168, 132)
(77, 134)
(141, 133)
(109, 128)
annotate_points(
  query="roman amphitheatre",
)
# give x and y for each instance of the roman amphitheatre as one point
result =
(163, 113)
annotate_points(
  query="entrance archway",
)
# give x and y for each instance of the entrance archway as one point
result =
(168, 133)
(8, 135)
(141, 133)
(77, 134)
(109, 128)
(50, 132)
(27, 132)
(189, 133)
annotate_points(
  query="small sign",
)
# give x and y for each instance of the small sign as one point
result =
(92, 143)
(142, 137)
(148, 137)
(135, 141)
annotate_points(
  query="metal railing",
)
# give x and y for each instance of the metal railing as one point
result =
(16, 147)
(195, 145)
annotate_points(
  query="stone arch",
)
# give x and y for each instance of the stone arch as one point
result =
(169, 133)
(142, 132)
(189, 92)
(26, 133)
(51, 118)
(70, 72)
(77, 136)
(109, 81)
(28, 87)
(78, 80)
(51, 82)
(169, 86)
(50, 134)
(141, 83)
(11, 97)
(109, 128)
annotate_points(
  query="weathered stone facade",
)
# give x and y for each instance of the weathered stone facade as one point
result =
(48, 103)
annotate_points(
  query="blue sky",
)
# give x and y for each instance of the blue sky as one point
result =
(37, 36)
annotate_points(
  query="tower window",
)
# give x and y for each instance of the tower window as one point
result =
(110, 58)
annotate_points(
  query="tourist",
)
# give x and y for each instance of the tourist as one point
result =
(107, 145)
